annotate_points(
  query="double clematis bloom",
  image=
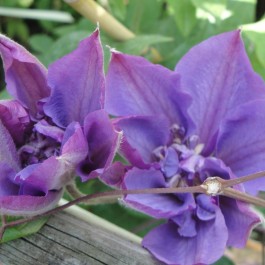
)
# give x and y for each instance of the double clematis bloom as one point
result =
(205, 119)
(54, 127)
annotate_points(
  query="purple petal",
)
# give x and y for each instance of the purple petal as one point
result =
(205, 207)
(156, 205)
(103, 142)
(29, 205)
(218, 75)
(15, 118)
(241, 143)
(24, 74)
(239, 219)
(46, 129)
(165, 243)
(77, 83)
(74, 144)
(51, 174)
(170, 164)
(8, 153)
(186, 224)
(138, 87)
(144, 135)
(113, 175)
(7, 187)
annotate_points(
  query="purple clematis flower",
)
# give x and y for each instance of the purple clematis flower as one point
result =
(205, 119)
(54, 126)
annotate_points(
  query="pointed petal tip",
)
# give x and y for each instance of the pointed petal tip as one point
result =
(96, 32)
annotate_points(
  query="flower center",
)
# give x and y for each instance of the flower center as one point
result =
(37, 148)
(181, 160)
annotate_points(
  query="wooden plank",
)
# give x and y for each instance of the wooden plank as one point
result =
(66, 240)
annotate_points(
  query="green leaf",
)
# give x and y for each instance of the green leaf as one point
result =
(215, 8)
(224, 261)
(256, 34)
(63, 46)
(22, 31)
(139, 44)
(40, 42)
(4, 95)
(23, 230)
(141, 15)
(245, 16)
(118, 9)
(25, 3)
(184, 14)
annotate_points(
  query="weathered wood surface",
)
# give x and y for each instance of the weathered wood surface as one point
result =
(66, 240)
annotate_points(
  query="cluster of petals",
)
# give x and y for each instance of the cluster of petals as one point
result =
(204, 119)
(53, 128)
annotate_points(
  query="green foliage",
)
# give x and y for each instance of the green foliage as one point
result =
(140, 44)
(23, 230)
(254, 36)
(224, 261)
(214, 9)
(40, 42)
(184, 13)
(142, 15)
(118, 9)
(4, 95)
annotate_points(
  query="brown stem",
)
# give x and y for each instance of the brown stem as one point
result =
(226, 191)
(232, 182)
(109, 194)
(73, 191)
(241, 196)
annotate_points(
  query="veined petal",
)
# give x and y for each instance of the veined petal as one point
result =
(103, 142)
(144, 135)
(24, 74)
(219, 77)
(156, 205)
(15, 118)
(135, 86)
(51, 174)
(239, 219)
(8, 153)
(51, 131)
(74, 145)
(241, 142)
(26, 205)
(77, 83)
(167, 245)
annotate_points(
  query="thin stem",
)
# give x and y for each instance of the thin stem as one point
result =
(232, 182)
(73, 191)
(226, 191)
(97, 14)
(108, 194)
(241, 196)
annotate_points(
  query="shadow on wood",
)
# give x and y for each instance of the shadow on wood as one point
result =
(66, 240)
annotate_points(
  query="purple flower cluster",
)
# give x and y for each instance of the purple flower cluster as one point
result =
(205, 119)
(54, 127)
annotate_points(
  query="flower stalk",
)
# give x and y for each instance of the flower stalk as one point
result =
(97, 14)
(114, 195)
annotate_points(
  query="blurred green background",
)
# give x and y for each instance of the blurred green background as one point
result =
(165, 30)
